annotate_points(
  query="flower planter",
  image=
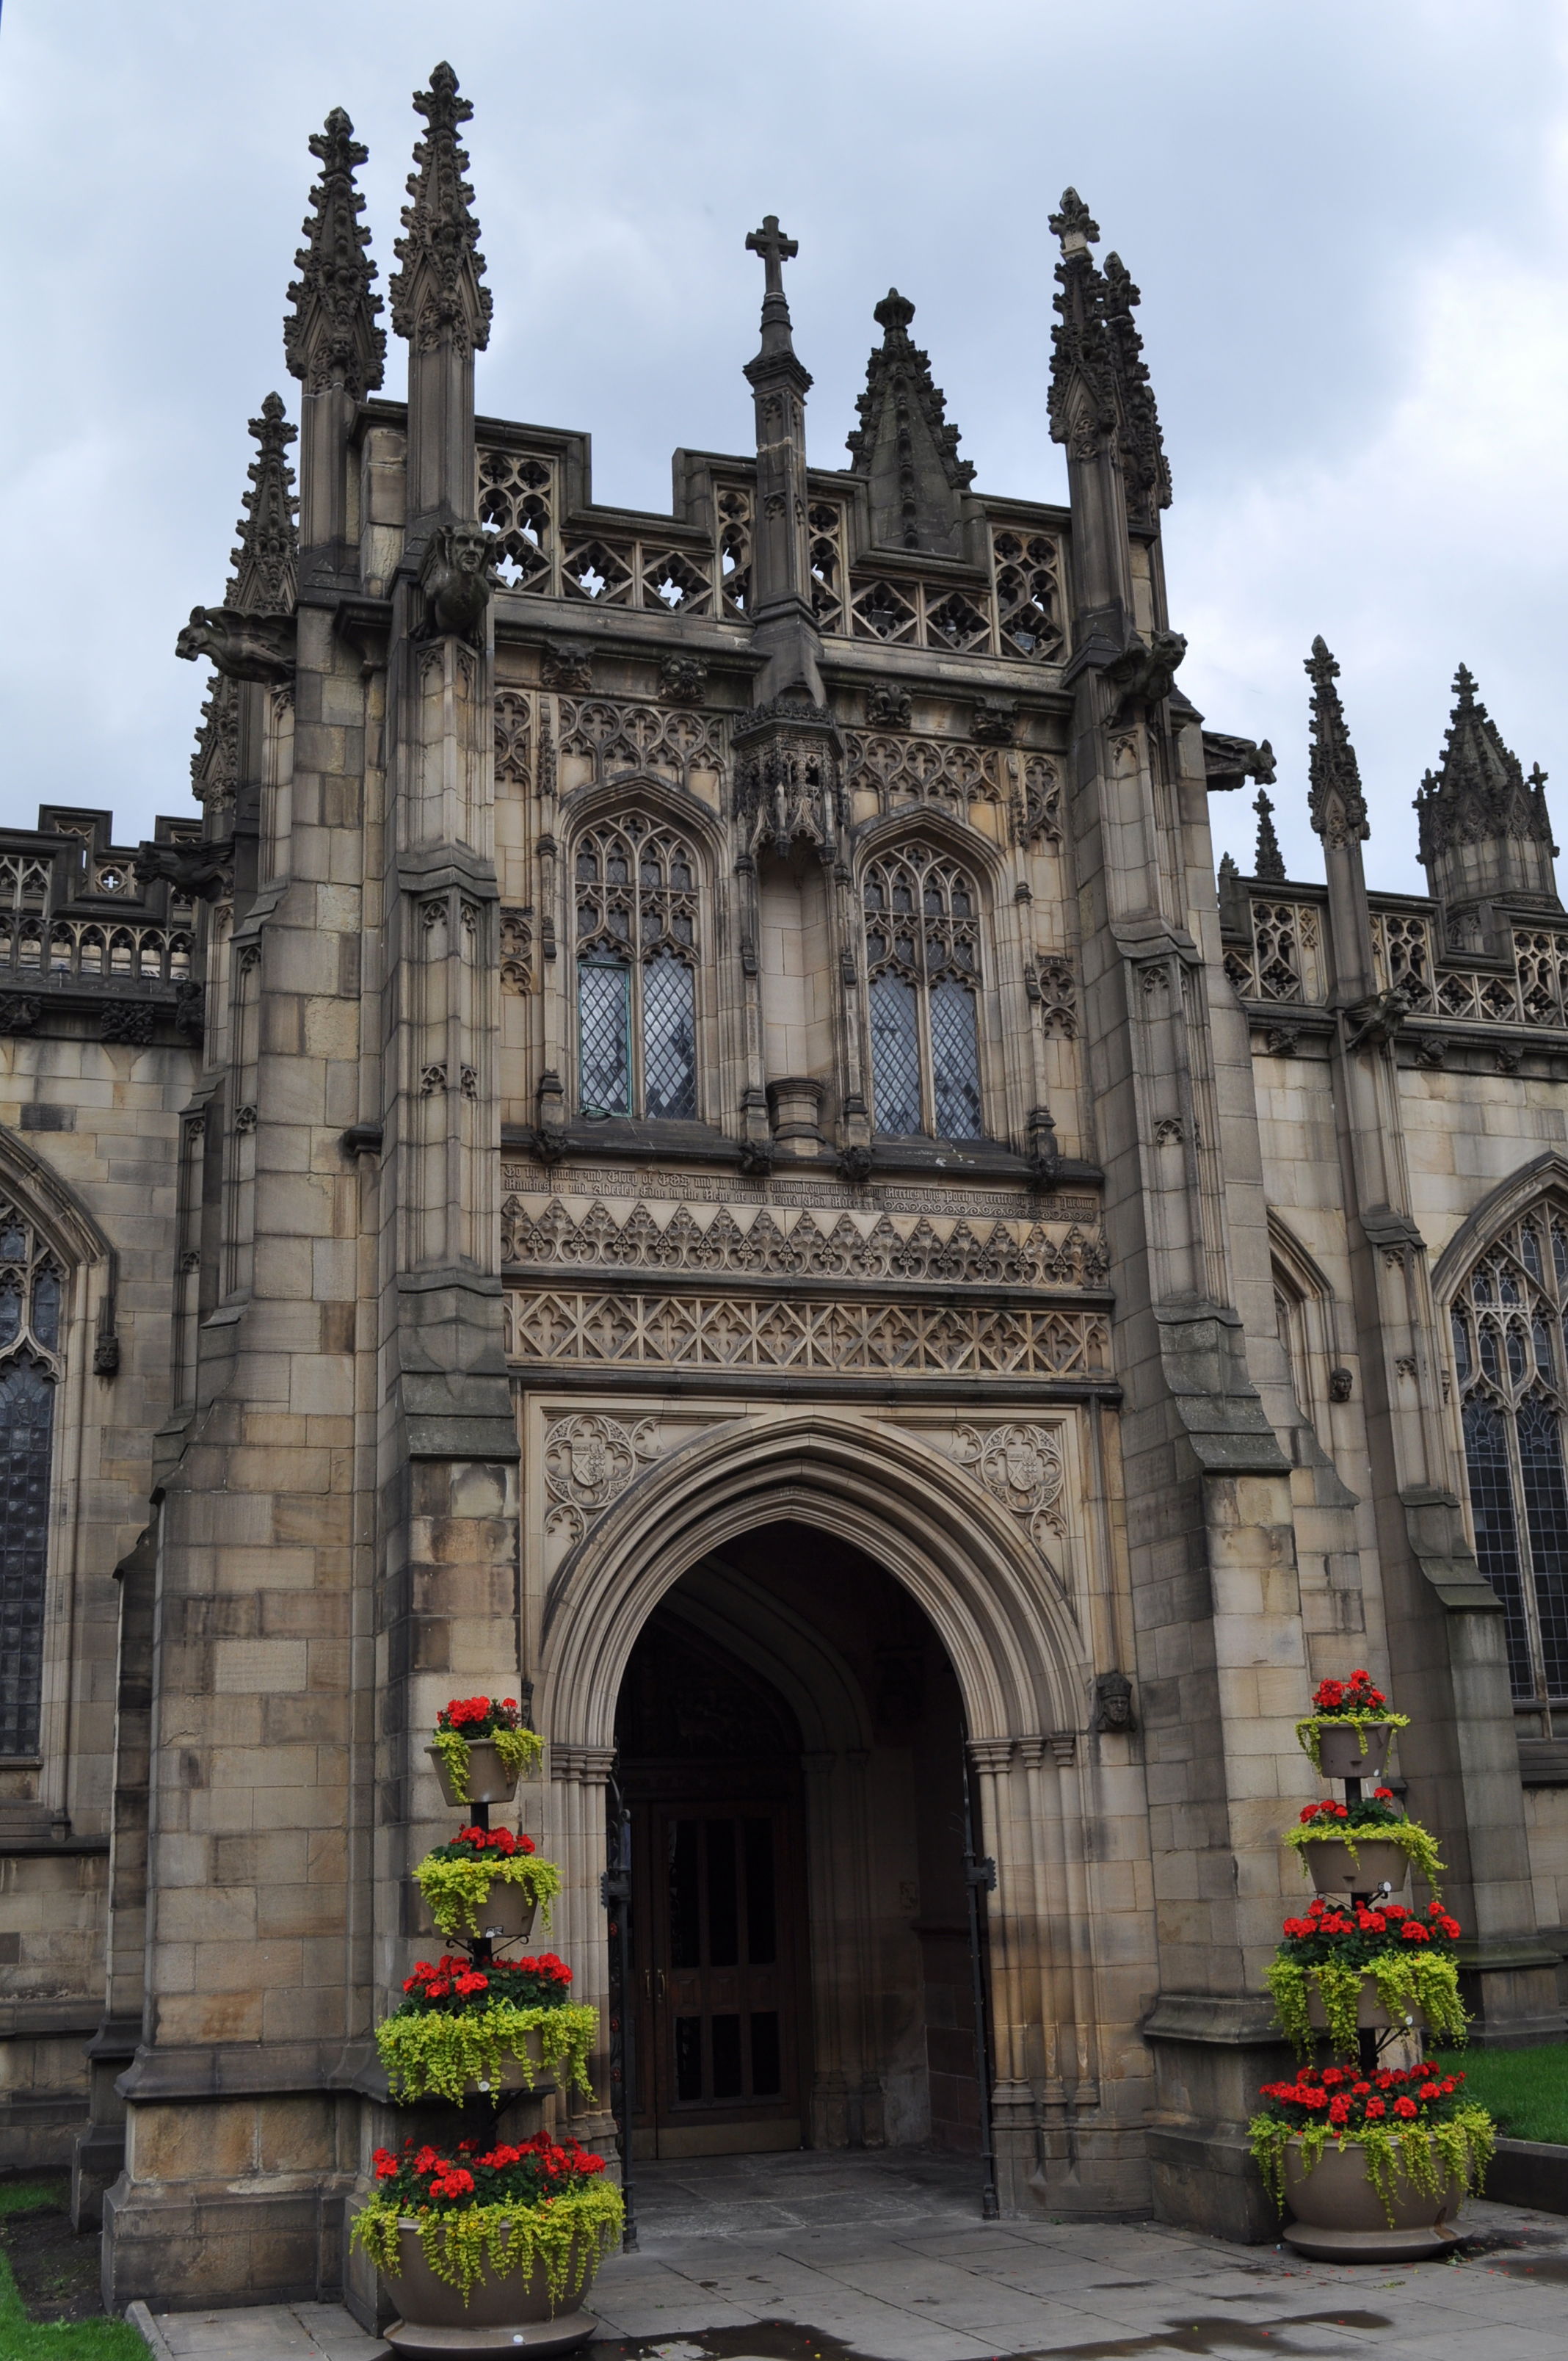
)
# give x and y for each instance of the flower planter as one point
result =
(489, 1781)
(1377, 1863)
(505, 1915)
(1339, 2217)
(1339, 1749)
(1370, 2013)
(513, 2314)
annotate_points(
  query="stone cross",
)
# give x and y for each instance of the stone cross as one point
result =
(775, 250)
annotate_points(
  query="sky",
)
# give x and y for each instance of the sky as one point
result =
(1350, 224)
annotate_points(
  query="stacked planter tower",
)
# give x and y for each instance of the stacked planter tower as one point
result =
(1376, 2152)
(487, 2242)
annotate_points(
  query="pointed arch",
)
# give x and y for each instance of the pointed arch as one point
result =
(1010, 1636)
(1503, 1281)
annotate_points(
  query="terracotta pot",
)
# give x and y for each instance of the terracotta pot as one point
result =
(1339, 2214)
(1376, 1861)
(501, 2315)
(505, 1915)
(1339, 1749)
(489, 1781)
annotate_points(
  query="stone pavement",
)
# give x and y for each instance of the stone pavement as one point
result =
(828, 2257)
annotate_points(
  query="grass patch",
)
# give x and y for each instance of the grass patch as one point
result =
(23, 2338)
(1525, 2089)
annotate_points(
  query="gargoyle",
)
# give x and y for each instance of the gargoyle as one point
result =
(1044, 1157)
(203, 870)
(1144, 672)
(456, 577)
(243, 647)
(1372, 1022)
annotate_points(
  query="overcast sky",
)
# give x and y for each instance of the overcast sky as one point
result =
(1349, 224)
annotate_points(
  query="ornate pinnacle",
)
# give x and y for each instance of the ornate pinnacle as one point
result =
(1268, 861)
(1480, 791)
(1074, 224)
(331, 337)
(898, 370)
(263, 579)
(1334, 799)
(775, 249)
(439, 291)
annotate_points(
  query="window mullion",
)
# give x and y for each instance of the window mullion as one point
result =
(1525, 1545)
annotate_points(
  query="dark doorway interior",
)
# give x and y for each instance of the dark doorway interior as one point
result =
(790, 1739)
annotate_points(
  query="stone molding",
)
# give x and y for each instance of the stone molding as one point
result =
(546, 1327)
(764, 1249)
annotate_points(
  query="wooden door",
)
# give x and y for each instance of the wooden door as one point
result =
(720, 2066)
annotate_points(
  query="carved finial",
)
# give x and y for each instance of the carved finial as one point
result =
(331, 337)
(1268, 861)
(264, 563)
(904, 428)
(1074, 224)
(1334, 799)
(1228, 865)
(438, 290)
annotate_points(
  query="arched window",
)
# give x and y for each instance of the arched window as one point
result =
(636, 947)
(1509, 1323)
(922, 915)
(32, 1287)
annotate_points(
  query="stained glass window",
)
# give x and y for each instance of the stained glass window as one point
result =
(922, 931)
(636, 947)
(31, 1287)
(1509, 1322)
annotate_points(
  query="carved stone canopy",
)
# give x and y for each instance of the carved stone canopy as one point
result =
(787, 777)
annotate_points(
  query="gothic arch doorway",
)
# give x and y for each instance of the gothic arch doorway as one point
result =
(789, 1736)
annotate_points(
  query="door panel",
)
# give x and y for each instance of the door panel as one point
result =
(719, 2038)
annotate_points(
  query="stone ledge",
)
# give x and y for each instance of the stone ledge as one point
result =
(1233, 2021)
(1530, 2172)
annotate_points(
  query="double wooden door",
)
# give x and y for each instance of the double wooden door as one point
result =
(714, 1932)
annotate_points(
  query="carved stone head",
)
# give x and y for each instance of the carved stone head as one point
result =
(1113, 1702)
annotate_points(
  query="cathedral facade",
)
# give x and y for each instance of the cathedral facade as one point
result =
(684, 1130)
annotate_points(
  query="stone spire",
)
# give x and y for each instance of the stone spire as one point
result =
(264, 564)
(331, 338)
(1485, 827)
(439, 293)
(1334, 799)
(1268, 861)
(904, 445)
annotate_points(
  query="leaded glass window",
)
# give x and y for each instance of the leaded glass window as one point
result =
(636, 947)
(1509, 1325)
(922, 922)
(32, 1283)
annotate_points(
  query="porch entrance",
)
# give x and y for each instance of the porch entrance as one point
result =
(789, 1741)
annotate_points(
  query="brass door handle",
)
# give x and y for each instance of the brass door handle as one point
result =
(659, 1978)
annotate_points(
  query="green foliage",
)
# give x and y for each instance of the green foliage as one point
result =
(1418, 1844)
(1408, 1983)
(1309, 1733)
(22, 2339)
(520, 1750)
(570, 2235)
(1525, 2089)
(455, 1891)
(1430, 2153)
(443, 2056)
